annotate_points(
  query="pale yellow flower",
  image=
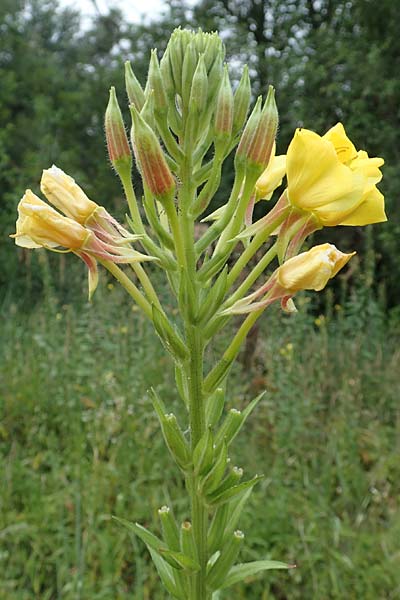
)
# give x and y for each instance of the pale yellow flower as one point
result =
(40, 225)
(311, 270)
(61, 190)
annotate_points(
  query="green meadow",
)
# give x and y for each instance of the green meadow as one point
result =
(79, 443)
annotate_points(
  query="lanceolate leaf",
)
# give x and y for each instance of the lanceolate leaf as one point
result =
(182, 560)
(242, 571)
(166, 575)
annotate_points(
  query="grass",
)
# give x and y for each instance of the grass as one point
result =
(79, 443)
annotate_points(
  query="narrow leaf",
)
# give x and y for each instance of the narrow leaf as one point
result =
(244, 570)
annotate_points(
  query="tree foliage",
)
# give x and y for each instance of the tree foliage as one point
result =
(329, 60)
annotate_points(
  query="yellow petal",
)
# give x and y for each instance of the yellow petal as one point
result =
(318, 181)
(369, 167)
(311, 270)
(271, 178)
(61, 190)
(371, 210)
(344, 148)
(40, 225)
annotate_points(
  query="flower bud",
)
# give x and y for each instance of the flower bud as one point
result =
(257, 142)
(224, 562)
(214, 407)
(147, 112)
(188, 544)
(169, 528)
(241, 101)
(188, 68)
(198, 91)
(133, 88)
(155, 82)
(117, 140)
(224, 110)
(151, 160)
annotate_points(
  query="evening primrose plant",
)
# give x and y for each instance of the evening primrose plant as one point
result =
(185, 122)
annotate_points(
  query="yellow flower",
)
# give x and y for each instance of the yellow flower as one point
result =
(311, 270)
(62, 191)
(328, 177)
(272, 176)
(40, 225)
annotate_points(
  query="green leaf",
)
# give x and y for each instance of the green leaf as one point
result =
(151, 540)
(220, 498)
(166, 575)
(244, 570)
(182, 560)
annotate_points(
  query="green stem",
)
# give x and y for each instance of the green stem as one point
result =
(219, 372)
(252, 276)
(197, 428)
(146, 283)
(132, 203)
(130, 287)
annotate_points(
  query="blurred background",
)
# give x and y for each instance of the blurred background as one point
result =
(78, 440)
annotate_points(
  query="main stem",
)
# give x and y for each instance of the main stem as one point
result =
(194, 373)
(197, 428)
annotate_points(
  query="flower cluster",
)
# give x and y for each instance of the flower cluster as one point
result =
(329, 183)
(85, 228)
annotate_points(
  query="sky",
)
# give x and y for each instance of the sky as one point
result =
(134, 10)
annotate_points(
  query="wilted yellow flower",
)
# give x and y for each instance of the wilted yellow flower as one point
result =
(328, 177)
(311, 270)
(61, 190)
(40, 225)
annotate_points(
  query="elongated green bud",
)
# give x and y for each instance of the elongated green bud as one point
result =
(176, 441)
(211, 481)
(147, 112)
(188, 68)
(231, 480)
(214, 297)
(117, 140)
(188, 545)
(224, 110)
(133, 88)
(215, 406)
(224, 562)
(156, 84)
(203, 453)
(151, 161)
(198, 91)
(216, 531)
(229, 427)
(169, 528)
(257, 141)
(168, 335)
(241, 101)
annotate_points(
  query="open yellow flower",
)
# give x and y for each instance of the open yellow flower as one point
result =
(328, 177)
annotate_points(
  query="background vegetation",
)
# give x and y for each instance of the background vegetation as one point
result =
(78, 441)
